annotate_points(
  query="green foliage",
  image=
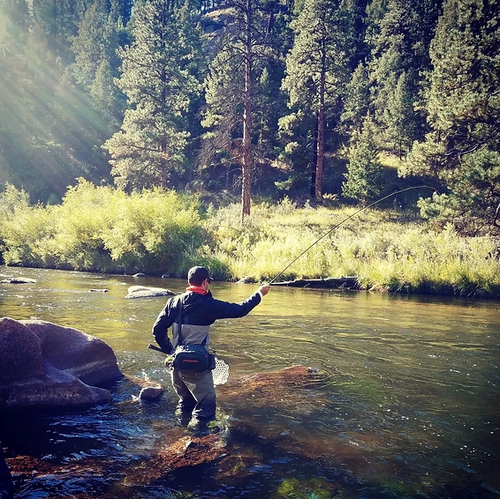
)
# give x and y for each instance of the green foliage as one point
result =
(364, 171)
(377, 247)
(102, 229)
(156, 78)
(24, 229)
(316, 70)
(96, 63)
(472, 204)
(461, 150)
(243, 100)
(49, 128)
(430, 83)
(318, 54)
(399, 54)
(356, 100)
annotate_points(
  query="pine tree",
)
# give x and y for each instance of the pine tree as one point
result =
(232, 86)
(356, 100)
(364, 172)
(149, 148)
(100, 32)
(463, 105)
(400, 40)
(89, 46)
(58, 22)
(399, 117)
(316, 69)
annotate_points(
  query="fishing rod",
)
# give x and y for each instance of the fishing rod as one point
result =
(345, 220)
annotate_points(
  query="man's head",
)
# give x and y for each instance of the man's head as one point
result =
(197, 275)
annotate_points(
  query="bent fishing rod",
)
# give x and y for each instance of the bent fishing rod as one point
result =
(345, 220)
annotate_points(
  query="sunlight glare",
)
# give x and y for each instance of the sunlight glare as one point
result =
(3, 34)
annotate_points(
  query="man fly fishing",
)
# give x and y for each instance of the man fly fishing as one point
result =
(190, 314)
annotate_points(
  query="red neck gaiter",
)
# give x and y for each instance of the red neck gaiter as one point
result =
(197, 289)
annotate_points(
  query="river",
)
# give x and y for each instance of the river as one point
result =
(409, 405)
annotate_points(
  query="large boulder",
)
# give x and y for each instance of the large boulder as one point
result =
(46, 365)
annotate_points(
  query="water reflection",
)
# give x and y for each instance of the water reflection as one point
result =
(408, 406)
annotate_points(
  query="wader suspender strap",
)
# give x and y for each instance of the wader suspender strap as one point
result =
(179, 321)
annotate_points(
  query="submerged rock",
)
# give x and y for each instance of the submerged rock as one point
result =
(18, 280)
(235, 448)
(46, 365)
(187, 451)
(147, 292)
(272, 386)
(343, 282)
(6, 484)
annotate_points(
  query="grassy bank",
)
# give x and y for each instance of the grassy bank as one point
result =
(103, 230)
(384, 249)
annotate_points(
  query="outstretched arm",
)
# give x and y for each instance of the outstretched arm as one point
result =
(226, 310)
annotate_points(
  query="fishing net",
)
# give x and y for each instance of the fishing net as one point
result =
(221, 372)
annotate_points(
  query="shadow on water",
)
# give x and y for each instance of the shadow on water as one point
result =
(406, 404)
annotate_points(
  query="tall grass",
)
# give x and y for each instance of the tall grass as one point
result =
(105, 230)
(375, 246)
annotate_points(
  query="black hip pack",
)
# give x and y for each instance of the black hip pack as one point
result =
(191, 357)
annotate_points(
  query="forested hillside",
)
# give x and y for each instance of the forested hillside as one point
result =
(303, 98)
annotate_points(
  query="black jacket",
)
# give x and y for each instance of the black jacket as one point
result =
(198, 313)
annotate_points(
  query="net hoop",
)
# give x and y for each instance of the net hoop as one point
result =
(221, 372)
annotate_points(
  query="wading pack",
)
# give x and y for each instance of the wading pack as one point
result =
(191, 357)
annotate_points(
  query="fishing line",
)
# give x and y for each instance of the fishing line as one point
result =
(345, 220)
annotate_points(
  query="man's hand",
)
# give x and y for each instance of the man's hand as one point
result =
(264, 289)
(166, 346)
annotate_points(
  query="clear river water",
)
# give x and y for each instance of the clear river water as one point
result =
(408, 406)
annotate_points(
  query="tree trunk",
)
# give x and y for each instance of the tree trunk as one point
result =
(246, 174)
(321, 138)
(314, 160)
(321, 126)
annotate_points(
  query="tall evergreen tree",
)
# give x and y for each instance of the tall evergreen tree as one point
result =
(149, 148)
(316, 69)
(356, 100)
(364, 171)
(392, 57)
(463, 105)
(96, 63)
(231, 87)
(57, 21)
(400, 41)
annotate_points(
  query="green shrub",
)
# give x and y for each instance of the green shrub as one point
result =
(104, 229)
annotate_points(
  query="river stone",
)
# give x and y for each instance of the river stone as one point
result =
(46, 365)
(18, 280)
(151, 393)
(147, 292)
(6, 484)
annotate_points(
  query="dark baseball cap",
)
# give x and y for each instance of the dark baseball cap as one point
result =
(197, 275)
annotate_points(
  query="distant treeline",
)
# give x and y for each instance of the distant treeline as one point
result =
(258, 98)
